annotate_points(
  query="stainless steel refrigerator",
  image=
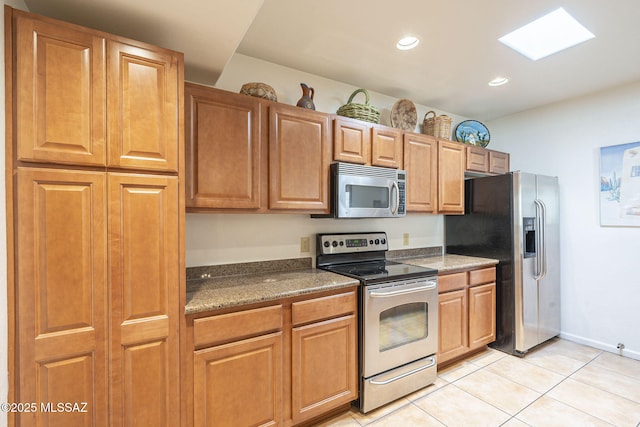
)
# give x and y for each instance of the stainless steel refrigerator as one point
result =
(515, 219)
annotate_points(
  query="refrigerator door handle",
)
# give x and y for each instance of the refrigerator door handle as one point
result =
(541, 256)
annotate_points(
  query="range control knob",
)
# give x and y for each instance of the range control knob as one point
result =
(383, 241)
(326, 244)
(334, 244)
(377, 241)
(371, 242)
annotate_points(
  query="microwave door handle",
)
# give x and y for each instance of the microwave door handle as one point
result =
(395, 185)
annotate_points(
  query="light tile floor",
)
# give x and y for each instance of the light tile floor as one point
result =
(561, 383)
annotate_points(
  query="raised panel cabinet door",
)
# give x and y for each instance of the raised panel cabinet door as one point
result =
(482, 315)
(225, 160)
(240, 383)
(351, 141)
(451, 164)
(421, 164)
(60, 92)
(453, 337)
(62, 294)
(477, 159)
(324, 366)
(386, 147)
(498, 162)
(144, 86)
(299, 158)
(144, 294)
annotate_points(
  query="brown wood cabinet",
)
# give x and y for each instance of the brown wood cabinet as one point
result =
(296, 358)
(78, 105)
(226, 153)
(467, 307)
(63, 300)
(96, 295)
(356, 141)
(435, 174)
(421, 164)
(299, 159)
(484, 161)
(451, 163)
(386, 146)
(143, 83)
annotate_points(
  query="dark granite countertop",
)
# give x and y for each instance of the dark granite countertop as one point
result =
(450, 263)
(260, 283)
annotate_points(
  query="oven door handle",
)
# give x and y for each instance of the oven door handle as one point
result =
(406, 374)
(431, 285)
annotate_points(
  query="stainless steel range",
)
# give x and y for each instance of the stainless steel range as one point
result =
(398, 327)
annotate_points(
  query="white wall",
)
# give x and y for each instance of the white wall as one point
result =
(223, 238)
(600, 280)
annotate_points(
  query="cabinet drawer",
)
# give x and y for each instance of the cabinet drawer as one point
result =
(452, 282)
(235, 326)
(323, 308)
(485, 275)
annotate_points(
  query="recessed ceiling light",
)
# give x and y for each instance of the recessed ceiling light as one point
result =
(407, 43)
(498, 81)
(547, 35)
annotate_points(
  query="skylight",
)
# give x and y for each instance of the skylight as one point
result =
(547, 35)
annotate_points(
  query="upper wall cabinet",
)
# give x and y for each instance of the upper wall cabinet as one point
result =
(225, 152)
(435, 174)
(61, 92)
(356, 141)
(483, 161)
(299, 159)
(143, 93)
(89, 98)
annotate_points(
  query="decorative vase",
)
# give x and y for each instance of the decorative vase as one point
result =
(307, 97)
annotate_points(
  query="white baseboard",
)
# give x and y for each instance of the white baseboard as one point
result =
(631, 353)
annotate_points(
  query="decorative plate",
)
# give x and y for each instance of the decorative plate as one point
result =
(473, 132)
(404, 115)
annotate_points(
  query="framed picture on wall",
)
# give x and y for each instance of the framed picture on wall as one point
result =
(620, 185)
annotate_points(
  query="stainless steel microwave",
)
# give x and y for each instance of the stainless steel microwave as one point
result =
(367, 191)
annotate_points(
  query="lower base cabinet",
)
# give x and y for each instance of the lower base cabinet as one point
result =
(279, 364)
(242, 378)
(467, 312)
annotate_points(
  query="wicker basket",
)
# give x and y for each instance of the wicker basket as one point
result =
(438, 126)
(364, 111)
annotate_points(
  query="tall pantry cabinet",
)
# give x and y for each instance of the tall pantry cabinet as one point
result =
(96, 223)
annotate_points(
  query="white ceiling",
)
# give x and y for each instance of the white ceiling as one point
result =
(353, 41)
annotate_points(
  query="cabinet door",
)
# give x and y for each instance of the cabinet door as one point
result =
(239, 384)
(477, 159)
(145, 309)
(386, 147)
(62, 291)
(351, 141)
(453, 325)
(299, 159)
(60, 93)
(143, 90)
(482, 319)
(498, 162)
(324, 366)
(450, 177)
(225, 159)
(420, 162)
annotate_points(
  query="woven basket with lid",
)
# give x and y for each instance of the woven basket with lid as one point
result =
(438, 126)
(364, 111)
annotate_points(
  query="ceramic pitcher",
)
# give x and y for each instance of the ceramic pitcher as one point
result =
(307, 97)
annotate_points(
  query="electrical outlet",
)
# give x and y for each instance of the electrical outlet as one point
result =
(304, 244)
(405, 239)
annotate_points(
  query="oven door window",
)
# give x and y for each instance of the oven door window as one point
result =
(367, 196)
(403, 324)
